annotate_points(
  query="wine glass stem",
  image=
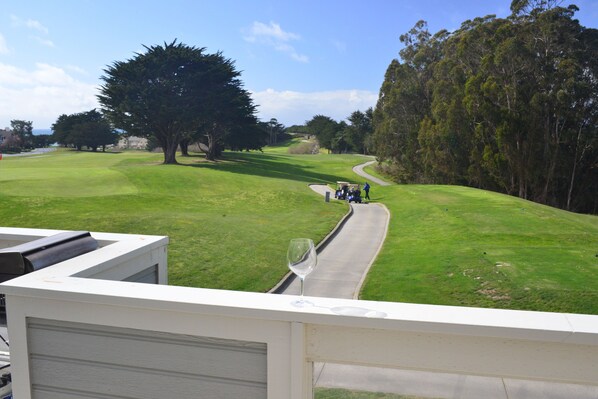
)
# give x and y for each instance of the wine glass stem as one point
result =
(302, 284)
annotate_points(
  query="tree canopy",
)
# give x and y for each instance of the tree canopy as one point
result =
(340, 137)
(274, 129)
(504, 104)
(23, 130)
(85, 129)
(176, 93)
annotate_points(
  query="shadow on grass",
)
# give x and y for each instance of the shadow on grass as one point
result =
(76, 151)
(267, 165)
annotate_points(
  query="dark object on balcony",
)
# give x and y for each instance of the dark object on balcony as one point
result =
(34, 255)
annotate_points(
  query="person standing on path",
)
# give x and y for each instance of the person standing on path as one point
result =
(366, 189)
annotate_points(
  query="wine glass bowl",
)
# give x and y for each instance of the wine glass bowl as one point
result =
(302, 259)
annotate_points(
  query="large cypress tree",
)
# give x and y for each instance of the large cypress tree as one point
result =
(171, 91)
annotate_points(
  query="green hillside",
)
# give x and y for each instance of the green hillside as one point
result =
(454, 245)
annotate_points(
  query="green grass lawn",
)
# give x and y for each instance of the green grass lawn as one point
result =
(461, 246)
(283, 147)
(229, 223)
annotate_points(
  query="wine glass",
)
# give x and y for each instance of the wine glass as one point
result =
(302, 259)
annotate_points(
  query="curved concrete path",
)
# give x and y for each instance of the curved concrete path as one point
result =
(37, 151)
(359, 170)
(343, 262)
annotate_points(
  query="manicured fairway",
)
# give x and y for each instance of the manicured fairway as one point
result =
(229, 222)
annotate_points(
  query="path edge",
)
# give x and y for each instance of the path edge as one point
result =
(357, 292)
(290, 276)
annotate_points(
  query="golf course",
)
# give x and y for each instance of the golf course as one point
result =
(229, 223)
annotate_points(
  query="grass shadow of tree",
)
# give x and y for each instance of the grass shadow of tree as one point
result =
(268, 165)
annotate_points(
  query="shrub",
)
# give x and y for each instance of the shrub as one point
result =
(306, 147)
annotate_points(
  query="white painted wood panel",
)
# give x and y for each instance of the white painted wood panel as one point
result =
(147, 276)
(487, 356)
(83, 360)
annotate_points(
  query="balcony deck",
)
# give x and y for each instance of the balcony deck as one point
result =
(111, 335)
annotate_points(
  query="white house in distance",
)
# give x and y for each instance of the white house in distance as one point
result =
(4, 134)
(132, 143)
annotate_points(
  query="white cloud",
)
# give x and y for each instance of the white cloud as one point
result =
(273, 30)
(292, 107)
(42, 94)
(300, 57)
(29, 23)
(45, 42)
(341, 47)
(77, 69)
(3, 46)
(36, 25)
(274, 36)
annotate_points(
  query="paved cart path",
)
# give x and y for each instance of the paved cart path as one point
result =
(359, 170)
(342, 265)
(344, 261)
(346, 258)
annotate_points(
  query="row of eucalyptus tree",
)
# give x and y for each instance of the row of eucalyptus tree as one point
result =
(507, 104)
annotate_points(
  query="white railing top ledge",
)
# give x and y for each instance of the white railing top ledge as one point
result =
(58, 282)
(131, 241)
(508, 324)
(114, 247)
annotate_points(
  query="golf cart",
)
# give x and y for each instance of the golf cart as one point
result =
(354, 194)
(347, 191)
(342, 189)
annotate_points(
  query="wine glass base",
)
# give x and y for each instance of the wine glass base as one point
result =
(302, 303)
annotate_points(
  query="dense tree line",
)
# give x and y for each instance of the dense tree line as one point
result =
(85, 129)
(342, 137)
(507, 104)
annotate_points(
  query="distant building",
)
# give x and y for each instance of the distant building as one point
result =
(5, 134)
(132, 143)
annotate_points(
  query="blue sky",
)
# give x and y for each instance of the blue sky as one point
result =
(298, 58)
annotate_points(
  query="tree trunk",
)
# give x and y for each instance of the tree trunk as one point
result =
(552, 161)
(571, 182)
(576, 158)
(185, 147)
(211, 153)
(169, 149)
(213, 136)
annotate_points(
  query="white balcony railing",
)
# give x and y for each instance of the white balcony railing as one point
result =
(75, 332)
